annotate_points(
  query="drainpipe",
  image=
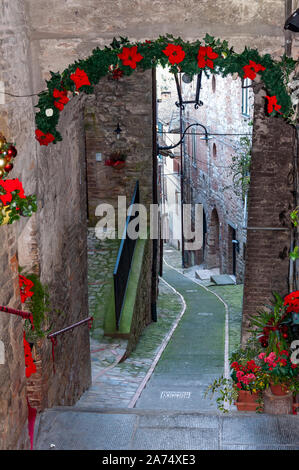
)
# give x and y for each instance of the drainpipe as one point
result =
(154, 289)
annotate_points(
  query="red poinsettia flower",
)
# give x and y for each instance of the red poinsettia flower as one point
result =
(9, 186)
(292, 300)
(129, 56)
(25, 286)
(80, 78)
(205, 56)
(272, 104)
(251, 69)
(44, 139)
(62, 98)
(174, 53)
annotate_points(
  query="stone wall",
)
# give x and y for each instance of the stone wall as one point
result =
(17, 124)
(128, 102)
(37, 37)
(208, 172)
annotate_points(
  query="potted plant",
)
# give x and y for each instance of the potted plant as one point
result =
(246, 383)
(275, 327)
(116, 159)
(282, 373)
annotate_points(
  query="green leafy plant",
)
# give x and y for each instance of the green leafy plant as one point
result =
(40, 307)
(240, 168)
(17, 207)
(227, 391)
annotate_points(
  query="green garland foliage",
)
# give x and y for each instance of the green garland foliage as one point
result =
(18, 207)
(103, 61)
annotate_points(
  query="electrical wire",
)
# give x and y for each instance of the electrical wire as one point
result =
(18, 96)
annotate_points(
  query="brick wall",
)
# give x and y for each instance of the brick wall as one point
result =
(270, 201)
(209, 175)
(129, 103)
(35, 39)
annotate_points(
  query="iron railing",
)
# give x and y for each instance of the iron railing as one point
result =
(124, 260)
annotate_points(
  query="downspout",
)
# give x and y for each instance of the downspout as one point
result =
(154, 289)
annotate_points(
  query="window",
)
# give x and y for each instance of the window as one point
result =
(245, 97)
(213, 84)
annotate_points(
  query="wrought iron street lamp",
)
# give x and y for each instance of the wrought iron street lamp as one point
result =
(181, 141)
(188, 79)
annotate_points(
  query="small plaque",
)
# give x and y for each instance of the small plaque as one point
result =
(175, 395)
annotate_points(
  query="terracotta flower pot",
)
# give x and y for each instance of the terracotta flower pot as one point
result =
(279, 389)
(247, 401)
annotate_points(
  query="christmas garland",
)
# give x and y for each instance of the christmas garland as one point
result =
(121, 58)
(13, 202)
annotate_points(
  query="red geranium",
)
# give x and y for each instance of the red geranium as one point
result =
(174, 53)
(205, 56)
(80, 78)
(44, 139)
(130, 56)
(63, 99)
(30, 367)
(9, 186)
(25, 286)
(272, 104)
(251, 69)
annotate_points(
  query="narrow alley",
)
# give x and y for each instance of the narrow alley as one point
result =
(149, 218)
(160, 404)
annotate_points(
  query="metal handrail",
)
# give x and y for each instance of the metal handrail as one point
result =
(19, 313)
(70, 327)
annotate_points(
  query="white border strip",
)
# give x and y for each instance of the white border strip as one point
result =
(163, 346)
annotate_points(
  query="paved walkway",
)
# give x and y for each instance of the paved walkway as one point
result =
(171, 413)
(195, 355)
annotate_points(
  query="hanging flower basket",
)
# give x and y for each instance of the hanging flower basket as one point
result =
(117, 160)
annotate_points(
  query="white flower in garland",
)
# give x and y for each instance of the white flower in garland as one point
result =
(49, 112)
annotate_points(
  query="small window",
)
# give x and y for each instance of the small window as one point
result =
(245, 97)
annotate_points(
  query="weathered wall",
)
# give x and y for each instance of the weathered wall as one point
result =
(17, 124)
(53, 35)
(66, 30)
(210, 175)
(128, 102)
